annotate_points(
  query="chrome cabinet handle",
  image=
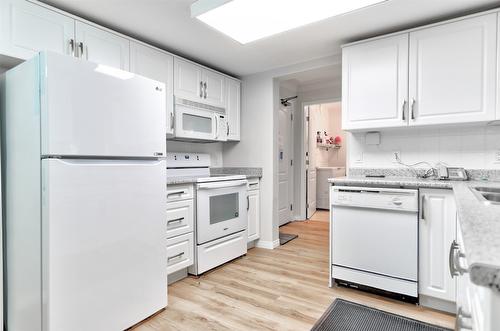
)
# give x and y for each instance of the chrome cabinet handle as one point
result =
(201, 89)
(172, 119)
(412, 112)
(177, 220)
(80, 46)
(205, 89)
(72, 46)
(422, 212)
(403, 107)
(175, 256)
(227, 128)
(459, 321)
(248, 203)
(453, 260)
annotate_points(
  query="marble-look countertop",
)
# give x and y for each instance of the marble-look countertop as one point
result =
(248, 172)
(480, 223)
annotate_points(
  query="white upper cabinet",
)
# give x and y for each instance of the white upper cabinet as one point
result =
(198, 84)
(214, 88)
(99, 46)
(157, 65)
(437, 230)
(375, 83)
(26, 28)
(452, 72)
(188, 82)
(233, 105)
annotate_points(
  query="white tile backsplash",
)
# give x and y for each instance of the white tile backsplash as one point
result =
(469, 147)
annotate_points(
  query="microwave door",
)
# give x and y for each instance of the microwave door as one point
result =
(194, 124)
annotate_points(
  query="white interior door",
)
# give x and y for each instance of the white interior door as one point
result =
(310, 166)
(284, 164)
(103, 112)
(103, 224)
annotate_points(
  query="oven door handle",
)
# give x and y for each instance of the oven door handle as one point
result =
(231, 183)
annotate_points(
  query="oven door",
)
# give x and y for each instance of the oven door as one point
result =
(221, 209)
(195, 124)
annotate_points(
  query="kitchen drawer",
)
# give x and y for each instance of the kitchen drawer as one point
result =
(180, 216)
(253, 184)
(220, 251)
(179, 192)
(180, 251)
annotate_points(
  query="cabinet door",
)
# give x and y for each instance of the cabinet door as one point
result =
(453, 72)
(253, 215)
(27, 28)
(102, 47)
(437, 230)
(375, 83)
(187, 80)
(233, 108)
(214, 90)
(157, 65)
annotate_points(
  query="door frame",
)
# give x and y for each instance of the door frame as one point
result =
(301, 183)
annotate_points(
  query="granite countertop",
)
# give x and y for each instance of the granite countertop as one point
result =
(480, 223)
(248, 172)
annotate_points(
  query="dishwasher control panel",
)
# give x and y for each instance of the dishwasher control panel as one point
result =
(371, 197)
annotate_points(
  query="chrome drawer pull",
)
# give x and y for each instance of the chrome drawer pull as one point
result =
(453, 260)
(459, 321)
(177, 220)
(175, 256)
(176, 193)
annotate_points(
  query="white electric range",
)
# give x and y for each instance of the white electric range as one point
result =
(221, 210)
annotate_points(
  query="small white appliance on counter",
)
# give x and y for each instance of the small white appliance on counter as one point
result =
(323, 186)
(374, 238)
(196, 121)
(85, 195)
(221, 210)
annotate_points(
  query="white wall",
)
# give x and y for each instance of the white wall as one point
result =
(214, 149)
(258, 146)
(469, 147)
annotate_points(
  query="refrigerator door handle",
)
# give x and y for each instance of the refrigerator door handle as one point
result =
(121, 162)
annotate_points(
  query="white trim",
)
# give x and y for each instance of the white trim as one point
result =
(267, 244)
(302, 170)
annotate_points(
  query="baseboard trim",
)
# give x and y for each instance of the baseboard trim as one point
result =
(438, 304)
(267, 244)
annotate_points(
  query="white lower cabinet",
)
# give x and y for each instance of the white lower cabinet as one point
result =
(180, 252)
(180, 227)
(437, 232)
(253, 229)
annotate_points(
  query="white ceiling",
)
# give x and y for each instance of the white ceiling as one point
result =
(168, 24)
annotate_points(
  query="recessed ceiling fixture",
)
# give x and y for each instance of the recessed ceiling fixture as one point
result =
(249, 20)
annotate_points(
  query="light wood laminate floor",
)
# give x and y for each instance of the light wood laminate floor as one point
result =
(281, 289)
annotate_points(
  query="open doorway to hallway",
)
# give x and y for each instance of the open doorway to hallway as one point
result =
(325, 153)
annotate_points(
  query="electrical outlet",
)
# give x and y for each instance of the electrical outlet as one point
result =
(396, 156)
(358, 158)
(497, 156)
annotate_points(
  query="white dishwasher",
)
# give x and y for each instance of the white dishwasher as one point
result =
(374, 238)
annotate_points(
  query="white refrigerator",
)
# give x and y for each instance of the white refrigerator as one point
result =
(84, 184)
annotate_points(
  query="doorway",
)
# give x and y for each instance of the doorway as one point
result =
(325, 153)
(285, 163)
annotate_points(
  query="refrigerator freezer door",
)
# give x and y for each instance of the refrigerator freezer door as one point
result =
(93, 110)
(103, 251)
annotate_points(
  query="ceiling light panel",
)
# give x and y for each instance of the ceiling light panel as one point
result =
(250, 20)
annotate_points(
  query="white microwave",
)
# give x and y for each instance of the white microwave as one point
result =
(199, 122)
